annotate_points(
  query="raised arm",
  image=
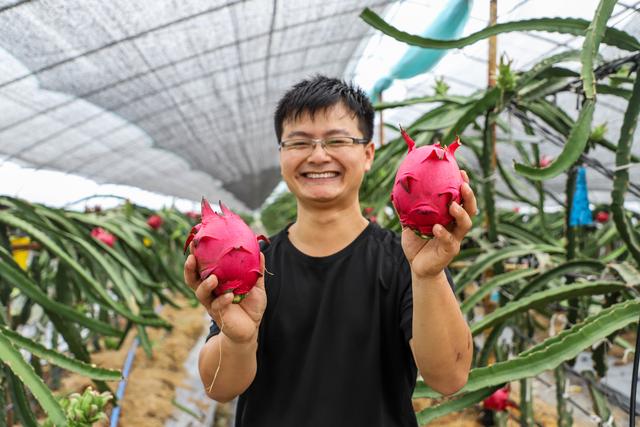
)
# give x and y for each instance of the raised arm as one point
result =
(227, 361)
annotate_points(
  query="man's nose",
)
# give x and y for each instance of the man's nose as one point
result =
(318, 154)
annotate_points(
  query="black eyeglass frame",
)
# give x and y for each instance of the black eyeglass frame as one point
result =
(323, 141)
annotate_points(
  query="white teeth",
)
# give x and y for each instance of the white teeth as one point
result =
(320, 175)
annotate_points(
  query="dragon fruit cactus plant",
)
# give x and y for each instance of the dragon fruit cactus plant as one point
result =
(225, 246)
(426, 183)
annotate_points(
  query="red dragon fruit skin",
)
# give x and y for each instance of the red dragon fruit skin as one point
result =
(426, 183)
(104, 236)
(225, 246)
(155, 221)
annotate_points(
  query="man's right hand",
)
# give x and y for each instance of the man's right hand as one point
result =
(238, 322)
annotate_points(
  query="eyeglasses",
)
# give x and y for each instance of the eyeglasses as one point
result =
(331, 145)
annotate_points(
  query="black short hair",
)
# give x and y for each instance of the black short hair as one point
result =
(319, 93)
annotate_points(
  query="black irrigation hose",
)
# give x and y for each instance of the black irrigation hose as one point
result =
(556, 140)
(601, 72)
(634, 380)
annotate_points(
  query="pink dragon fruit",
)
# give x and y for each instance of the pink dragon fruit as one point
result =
(155, 221)
(426, 183)
(104, 236)
(225, 246)
(499, 400)
(602, 217)
(193, 215)
(545, 161)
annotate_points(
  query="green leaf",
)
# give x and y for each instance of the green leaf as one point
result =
(553, 351)
(441, 117)
(544, 297)
(59, 359)
(10, 272)
(118, 282)
(495, 282)
(621, 175)
(592, 39)
(128, 265)
(599, 401)
(511, 183)
(421, 100)
(434, 412)
(560, 270)
(545, 65)
(21, 403)
(615, 91)
(54, 248)
(571, 152)
(627, 272)
(484, 262)
(487, 102)
(11, 357)
(573, 26)
(520, 233)
(144, 341)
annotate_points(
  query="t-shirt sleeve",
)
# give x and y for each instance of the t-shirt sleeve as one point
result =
(406, 317)
(213, 330)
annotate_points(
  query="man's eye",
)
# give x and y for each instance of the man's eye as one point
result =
(299, 144)
(337, 142)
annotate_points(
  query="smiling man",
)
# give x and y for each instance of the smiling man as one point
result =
(349, 313)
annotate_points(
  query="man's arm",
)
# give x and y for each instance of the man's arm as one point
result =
(227, 362)
(234, 369)
(441, 341)
(441, 344)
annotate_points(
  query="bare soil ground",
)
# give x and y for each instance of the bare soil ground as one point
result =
(152, 381)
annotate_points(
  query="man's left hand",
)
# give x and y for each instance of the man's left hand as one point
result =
(430, 257)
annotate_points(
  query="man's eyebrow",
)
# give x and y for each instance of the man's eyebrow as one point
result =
(308, 135)
(298, 133)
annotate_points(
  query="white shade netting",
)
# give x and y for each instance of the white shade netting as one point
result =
(171, 97)
(178, 97)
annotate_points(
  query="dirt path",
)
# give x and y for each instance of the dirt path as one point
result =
(152, 382)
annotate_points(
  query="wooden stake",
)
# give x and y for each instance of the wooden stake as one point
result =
(493, 64)
(381, 123)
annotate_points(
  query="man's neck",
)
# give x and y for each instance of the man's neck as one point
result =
(323, 232)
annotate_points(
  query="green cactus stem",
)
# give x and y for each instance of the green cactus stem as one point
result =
(621, 176)
(565, 418)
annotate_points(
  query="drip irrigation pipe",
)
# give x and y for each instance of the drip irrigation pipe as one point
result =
(126, 370)
(122, 385)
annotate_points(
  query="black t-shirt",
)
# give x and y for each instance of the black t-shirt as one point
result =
(333, 344)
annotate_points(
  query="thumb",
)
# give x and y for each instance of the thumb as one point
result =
(260, 281)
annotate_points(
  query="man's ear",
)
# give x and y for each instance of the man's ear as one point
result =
(369, 152)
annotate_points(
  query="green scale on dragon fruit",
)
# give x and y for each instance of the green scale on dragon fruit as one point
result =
(224, 245)
(426, 183)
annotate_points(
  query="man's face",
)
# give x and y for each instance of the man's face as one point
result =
(321, 177)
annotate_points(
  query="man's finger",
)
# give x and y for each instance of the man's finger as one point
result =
(260, 281)
(465, 177)
(191, 277)
(469, 200)
(444, 236)
(204, 293)
(218, 306)
(463, 221)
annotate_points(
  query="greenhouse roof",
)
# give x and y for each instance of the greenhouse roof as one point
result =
(177, 97)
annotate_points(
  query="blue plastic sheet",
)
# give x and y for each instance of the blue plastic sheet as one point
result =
(580, 212)
(446, 26)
